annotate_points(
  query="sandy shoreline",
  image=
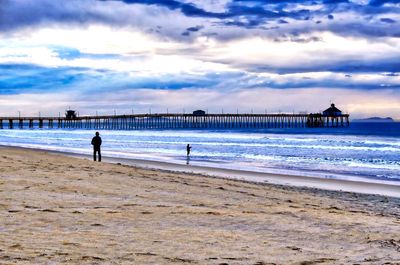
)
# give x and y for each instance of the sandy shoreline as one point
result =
(385, 189)
(57, 209)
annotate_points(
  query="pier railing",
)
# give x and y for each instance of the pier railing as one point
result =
(178, 121)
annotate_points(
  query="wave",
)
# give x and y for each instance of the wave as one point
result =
(324, 155)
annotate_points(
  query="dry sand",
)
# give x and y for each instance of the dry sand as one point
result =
(56, 209)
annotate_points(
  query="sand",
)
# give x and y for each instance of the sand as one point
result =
(56, 209)
(359, 185)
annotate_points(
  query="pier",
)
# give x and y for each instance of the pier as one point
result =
(178, 121)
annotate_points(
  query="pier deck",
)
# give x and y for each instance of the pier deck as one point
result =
(178, 121)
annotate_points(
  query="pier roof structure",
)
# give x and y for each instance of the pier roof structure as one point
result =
(332, 111)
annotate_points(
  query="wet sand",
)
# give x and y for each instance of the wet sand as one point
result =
(388, 188)
(57, 209)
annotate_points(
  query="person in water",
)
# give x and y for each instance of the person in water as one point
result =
(188, 147)
(96, 142)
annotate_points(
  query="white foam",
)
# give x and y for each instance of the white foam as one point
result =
(312, 154)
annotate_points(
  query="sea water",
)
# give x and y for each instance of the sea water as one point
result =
(364, 151)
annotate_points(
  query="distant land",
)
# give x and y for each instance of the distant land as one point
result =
(375, 119)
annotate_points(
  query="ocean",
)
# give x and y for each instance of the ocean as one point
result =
(364, 151)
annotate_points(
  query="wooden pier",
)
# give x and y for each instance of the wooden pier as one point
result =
(178, 121)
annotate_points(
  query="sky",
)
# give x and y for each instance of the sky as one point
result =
(141, 56)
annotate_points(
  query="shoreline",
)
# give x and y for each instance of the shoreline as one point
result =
(245, 175)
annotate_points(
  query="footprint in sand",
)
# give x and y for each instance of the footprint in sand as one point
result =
(16, 246)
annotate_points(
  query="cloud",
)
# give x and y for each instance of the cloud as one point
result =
(388, 20)
(29, 78)
(383, 2)
(22, 79)
(303, 53)
(192, 29)
(186, 8)
(26, 78)
(30, 13)
(173, 16)
(342, 66)
(143, 54)
(92, 50)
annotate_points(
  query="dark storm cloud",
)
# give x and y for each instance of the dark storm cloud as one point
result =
(233, 10)
(382, 2)
(185, 8)
(249, 24)
(192, 29)
(253, 14)
(258, 14)
(388, 20)
(16, 14)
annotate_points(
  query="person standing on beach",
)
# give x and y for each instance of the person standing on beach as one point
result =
(96, 142)
(188, 147)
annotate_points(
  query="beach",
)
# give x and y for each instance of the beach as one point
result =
(60, 209)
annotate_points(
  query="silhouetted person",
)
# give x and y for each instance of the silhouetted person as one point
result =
(188, 147)
(96, 142)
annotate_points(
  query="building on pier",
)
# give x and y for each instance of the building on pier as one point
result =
(70, 114)
(332, 111)
(331, 117)
(199, 113)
